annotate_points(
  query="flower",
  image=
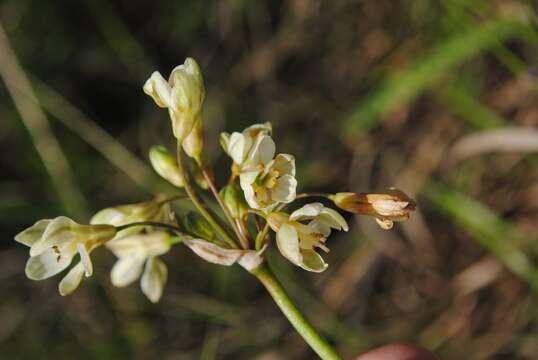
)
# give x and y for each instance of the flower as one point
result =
(55, 242)
(183, 94)
(297, 240)
(245, 146)
(133, 251)
(269, 183)
(393, 205)
(265, 179)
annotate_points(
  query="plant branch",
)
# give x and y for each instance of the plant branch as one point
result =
(312, 194)
(303, 327)
(242, 238)
(200, 205)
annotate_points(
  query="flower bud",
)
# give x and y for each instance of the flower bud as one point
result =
(196, 224)
(199, 177)
(233, 197)
(165, 165)
(125, 214)
(393, 205)
(194, 142)
(183, 95)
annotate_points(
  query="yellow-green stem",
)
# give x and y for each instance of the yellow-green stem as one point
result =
(200, 206)
(303, 327)
(242, 238)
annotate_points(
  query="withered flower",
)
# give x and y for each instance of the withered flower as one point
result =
(387, 207)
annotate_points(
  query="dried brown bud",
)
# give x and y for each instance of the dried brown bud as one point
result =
(393, 205)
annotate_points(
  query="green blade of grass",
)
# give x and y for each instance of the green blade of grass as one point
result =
(408, 84)
(472, 111)
(36, 123)
(495, 234)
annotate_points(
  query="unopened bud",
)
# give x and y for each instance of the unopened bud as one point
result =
(194, 142)
(234, 200)
(199, 177)
(393, 205)
(196, 224)
(165, 165)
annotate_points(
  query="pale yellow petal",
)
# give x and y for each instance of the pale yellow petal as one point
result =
(287, 241)
(126, 270)
(32, 234)
(46, 264)
(154, 279)
(72, 280)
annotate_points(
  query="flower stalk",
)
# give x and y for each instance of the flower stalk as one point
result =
(200, 206)
(320, 346)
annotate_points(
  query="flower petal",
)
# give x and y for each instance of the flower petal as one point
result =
(32, 234)
(309, 211)
(287, 241)
(238, 147)
(153, 279)
(159, 90)
(385, 224)
(85, 259)
(285, 189)
(72, 280)
(126, 270)
(262, 151)
(285, 164)
(46, 264)
(58, 231)
(333, 218)
(140, 245)
(313, 262)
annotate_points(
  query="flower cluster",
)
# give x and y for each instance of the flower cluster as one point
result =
(258, 195)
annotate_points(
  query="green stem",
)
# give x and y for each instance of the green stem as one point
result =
(201, 206)
(242, 238)
(313, 194)
(261, 237)
(151, 223)
(303, 327)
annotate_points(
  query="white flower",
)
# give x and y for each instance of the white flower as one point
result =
(297, 240)
(133, 251)
(55, 242)
(183, 94)
(248, 145)
(269, 183)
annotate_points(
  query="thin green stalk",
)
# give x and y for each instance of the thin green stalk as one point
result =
(242, 238)
(312, 194)
(201, 206)
(303, 327)
(151, 223)
(261, 236)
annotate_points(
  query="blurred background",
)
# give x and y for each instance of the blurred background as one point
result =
(437, 98)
